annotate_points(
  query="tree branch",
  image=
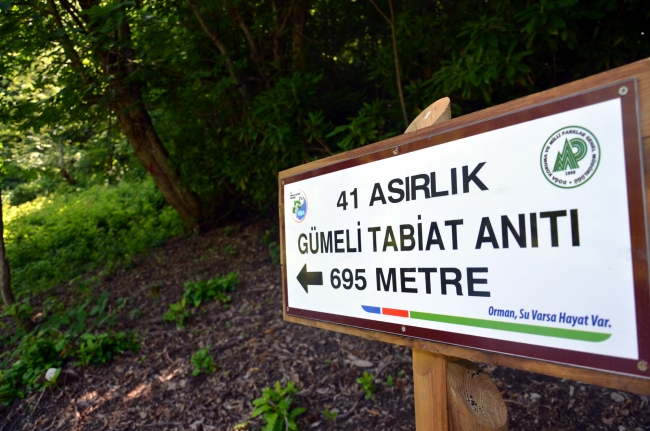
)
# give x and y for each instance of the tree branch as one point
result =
(74, 14)
(221, 47)
(68, 47)
(257, 58)
(398, 78)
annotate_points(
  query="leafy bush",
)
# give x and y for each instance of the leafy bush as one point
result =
(215, 288)
(275, 405)
(366, 383)
(203, 362)
(36, 353)
(102, 348)
(50, 240)
(60, 337)
(177, 313)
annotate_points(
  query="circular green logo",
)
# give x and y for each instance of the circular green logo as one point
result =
(570, 157)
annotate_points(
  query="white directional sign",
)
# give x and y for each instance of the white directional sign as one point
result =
(513, 237)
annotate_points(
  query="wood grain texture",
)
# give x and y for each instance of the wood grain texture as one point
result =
(473, 400)
(430, 388)
(639, 70)
(438, 112)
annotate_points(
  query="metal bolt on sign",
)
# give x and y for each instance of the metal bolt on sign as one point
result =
(403, 329)
(642, 365)
(396, 150)
(622, 91)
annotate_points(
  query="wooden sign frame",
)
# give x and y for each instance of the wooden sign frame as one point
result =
(636, 77)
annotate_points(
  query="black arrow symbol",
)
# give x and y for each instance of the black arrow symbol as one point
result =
(306, 278)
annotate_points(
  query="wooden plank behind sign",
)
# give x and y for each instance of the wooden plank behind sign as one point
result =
(639, 71)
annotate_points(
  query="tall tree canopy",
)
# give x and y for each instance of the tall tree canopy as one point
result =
(215, 97)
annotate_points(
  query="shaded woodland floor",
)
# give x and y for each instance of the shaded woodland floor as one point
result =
(253, 347)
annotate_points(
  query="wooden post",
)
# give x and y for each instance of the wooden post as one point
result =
(452, 394)
(430, 387)
(473, 400)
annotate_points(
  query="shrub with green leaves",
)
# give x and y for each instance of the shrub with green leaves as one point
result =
(366, 384)
(49, 348)
(102, 348)
(216, 288)
(275, 406)
(57, 238)
(34, 354)
(203, 362)
(177, 313)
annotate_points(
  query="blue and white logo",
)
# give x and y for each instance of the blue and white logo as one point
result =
(298, 206)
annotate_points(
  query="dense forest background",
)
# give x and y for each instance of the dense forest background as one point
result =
(123, 123)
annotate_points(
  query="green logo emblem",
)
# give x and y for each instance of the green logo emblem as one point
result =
(570, 157)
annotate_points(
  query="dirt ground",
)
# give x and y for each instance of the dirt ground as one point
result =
(253, 348)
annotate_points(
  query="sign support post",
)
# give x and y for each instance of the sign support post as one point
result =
(430, 391)
(447, 398)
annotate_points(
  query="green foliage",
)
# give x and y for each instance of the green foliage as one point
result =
(177, 313)
(229, 250)
(275, 406)
(63, 333)
(49, 348)
(102, 348)
(215, 288)
(389, 381)
(367, 127)
(366, 384)
(270, 239)
(50, 240)
(203, 362)
(278, 99)
(198, 292)
(330, 415)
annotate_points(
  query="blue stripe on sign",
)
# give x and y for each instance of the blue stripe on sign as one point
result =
(370, 309)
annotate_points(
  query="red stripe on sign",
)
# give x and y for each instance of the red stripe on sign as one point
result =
(395, 312)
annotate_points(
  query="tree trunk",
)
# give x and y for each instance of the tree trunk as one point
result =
(126, 102)
(5, 277)
(298, 36)
(135, 123)
(64, 171)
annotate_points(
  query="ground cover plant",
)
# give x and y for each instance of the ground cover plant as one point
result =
(55, 239)
(203, 362)
(197, 293)
(275, 406)
(78, 335)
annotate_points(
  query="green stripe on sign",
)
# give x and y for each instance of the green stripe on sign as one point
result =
(572, 334)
